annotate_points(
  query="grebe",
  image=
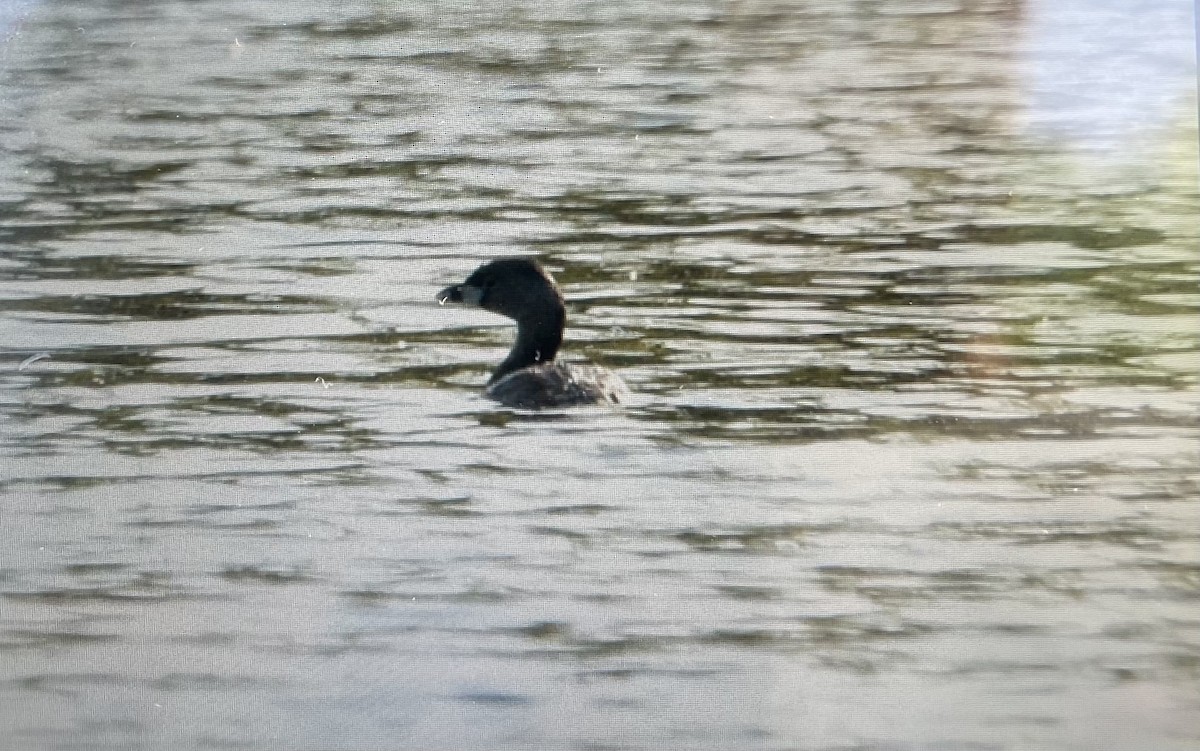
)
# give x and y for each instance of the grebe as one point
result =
(530, 377)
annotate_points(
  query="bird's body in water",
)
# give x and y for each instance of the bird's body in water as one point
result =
(530, 377)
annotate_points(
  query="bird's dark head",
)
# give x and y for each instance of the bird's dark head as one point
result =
(518, 288)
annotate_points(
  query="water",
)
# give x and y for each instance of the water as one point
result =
(908, 301)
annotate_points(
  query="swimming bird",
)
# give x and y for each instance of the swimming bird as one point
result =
(530, 377)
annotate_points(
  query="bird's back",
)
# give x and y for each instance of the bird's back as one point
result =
(555, 384)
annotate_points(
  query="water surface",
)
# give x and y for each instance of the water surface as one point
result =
(913, 459)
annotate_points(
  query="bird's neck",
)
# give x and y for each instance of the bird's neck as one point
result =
(538, 339)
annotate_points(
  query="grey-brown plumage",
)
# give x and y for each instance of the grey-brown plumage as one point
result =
(530, 377)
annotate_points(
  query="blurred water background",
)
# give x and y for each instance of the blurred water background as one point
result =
(908, 293)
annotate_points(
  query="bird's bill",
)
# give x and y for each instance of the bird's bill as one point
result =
(461, 293)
